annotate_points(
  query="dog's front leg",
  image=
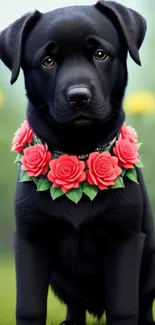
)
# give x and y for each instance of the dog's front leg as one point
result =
(122, 271)
(75, 315)
(32, 279)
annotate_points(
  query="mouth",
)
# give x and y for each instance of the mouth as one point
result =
(82, 121)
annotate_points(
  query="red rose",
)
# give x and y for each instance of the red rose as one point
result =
(127, 153)
(103, 169)
(66, 172)
(129, 133)
(22, 136)
(36, 160)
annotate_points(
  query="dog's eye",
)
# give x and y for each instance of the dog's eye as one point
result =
(48, 62)
(100, 55)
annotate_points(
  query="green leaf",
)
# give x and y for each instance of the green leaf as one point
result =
(55, 155)
(75, 195)
(90, 190)
(43, 184)
(107, 149)
(36, 180)
(118, 183)
(84, 184)
(139, 145)
(132, 175)
(24, 176)
(139, 164)
(18, 158)
(123, 171)
(36, 140)
(56, 192)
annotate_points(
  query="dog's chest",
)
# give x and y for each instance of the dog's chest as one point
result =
(79, 248)
(114, 210)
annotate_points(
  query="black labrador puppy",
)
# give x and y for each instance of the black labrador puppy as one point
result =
(97, 256)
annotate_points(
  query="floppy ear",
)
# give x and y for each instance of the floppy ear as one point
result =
(131, 23)
(12, 40)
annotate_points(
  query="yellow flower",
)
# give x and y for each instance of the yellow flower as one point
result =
(1, 98)
(140, 102)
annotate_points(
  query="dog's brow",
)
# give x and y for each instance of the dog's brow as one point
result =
(50, 46)
(108, 47)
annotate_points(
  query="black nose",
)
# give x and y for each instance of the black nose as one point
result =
(78, 96)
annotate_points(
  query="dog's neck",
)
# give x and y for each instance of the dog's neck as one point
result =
(100, 148)
(77, 141)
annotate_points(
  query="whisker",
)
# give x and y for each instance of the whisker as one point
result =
(41, 106)
(48, 103)
(112, 100)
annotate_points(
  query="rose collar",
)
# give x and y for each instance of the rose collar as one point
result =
(74, 176)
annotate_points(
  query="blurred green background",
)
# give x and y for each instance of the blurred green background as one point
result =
(140, 108)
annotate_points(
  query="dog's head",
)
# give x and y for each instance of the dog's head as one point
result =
(74, 63)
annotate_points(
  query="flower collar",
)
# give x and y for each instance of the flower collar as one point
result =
(74, 176)
(100, 148)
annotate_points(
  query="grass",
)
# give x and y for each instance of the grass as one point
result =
(56, 310)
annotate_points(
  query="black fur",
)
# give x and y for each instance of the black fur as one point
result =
(97, 256)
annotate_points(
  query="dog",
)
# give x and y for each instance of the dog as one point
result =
(97, 256)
